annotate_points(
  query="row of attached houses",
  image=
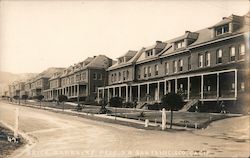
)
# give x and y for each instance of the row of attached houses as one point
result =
(208, 65)
(79, 82)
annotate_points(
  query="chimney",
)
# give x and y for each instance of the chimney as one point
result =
(94, 56)
(187, 32)
(157, 42)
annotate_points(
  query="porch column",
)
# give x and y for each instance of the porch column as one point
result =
(165, 87)
(202, 86)
(139, 94)
(169, 86)
(103, 95)
(148, 92)
(113, 91)
(188, 88)
(158, 91)
(130, 94)
(218, 85)
(108, 95)
(120, 91)
(126, 93)
(98, 99)
(176, 85)
(235, 83)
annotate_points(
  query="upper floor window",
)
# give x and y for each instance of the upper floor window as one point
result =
(112, 77)
(232, 53)
(119, 76)
(200, 60)
(219, 56)
(189, 63)
(139, 73)
(127, 74)
(180, 64)
(124, 75)
(99, 76)
(242, 51)
(175, 66)
(223, 29)
(208, 59)
(83, 75)
(115, 77)
(145, 71)
(94, 76)
(156, 70)
(166, 68)
(149, 71)
(149, 53)
(180, 44)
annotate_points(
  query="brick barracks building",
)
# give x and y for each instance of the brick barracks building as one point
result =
(206, 67)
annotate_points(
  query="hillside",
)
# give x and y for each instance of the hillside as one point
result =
(7, 78)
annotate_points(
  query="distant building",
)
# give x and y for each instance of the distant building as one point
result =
(80, 81)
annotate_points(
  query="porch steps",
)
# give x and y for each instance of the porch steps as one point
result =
(189, 104)
(140, 105)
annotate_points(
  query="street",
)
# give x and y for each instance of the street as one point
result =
(60, 135)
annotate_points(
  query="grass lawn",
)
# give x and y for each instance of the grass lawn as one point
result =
(188, 119)
(6, 148)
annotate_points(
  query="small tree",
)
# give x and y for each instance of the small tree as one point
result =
(40, 98)
(25, 97)
(62, 99)
(16, 97)
(115, 102)
(173, 102)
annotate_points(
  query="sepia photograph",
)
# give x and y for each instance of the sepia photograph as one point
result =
(124, 79)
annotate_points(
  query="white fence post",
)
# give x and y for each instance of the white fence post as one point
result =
(164, 119)
(16, 123)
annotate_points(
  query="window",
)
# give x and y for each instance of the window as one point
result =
(139, 73)
(83, 75)
(145, 71)
(181, 64)
(99, 76)
(115, 77)
(242, 50)
(232, 53)
(94, 76)
(200, 60)
(156, 70)
(189, 63)
(219, 56)
(223, 29)
(127, 74)
(112, 77)
(166, 68)
(149, 53)
(119, 76)
(208, 59)
(124, 75)
(149, 71)
(175, 66)
(180, 44)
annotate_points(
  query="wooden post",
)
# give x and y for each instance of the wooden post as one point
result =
(16, 123)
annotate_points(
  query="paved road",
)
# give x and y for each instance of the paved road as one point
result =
(60, 135)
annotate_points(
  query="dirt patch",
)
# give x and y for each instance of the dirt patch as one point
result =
(6, 147)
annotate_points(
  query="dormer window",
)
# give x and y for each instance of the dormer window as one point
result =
(180, 44)
(222, 30)
(149, 53)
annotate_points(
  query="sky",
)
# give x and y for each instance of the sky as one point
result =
(36, 35)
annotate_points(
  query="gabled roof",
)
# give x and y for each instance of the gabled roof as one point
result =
(130, 53)
(129, 62)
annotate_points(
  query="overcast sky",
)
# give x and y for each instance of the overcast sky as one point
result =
(41, 34)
